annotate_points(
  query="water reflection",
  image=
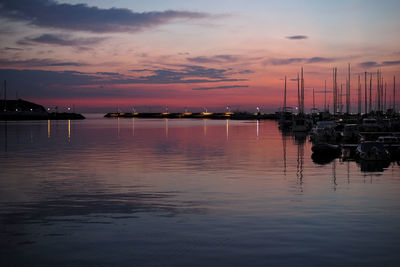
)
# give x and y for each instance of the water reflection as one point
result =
(227, 130)
(300, 162)
(284, 141)
(258, 128)
(133, 126)
(69, 130)
(166, 127)
(48, 129)
(334, 175)
(192, 192)
(373, 166)
(322, 159)
(5, 135)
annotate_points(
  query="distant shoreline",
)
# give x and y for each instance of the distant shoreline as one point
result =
(203, 115)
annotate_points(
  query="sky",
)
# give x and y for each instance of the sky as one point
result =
(101, 56)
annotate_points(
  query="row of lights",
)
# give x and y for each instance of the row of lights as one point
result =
(228, 110)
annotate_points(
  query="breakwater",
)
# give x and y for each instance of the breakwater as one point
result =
(202, 115)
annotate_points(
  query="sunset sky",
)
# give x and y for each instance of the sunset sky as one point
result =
(100, 55)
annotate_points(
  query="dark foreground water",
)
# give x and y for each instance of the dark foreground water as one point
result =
(136, 192)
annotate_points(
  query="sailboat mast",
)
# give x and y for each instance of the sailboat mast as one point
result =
(366, 94)
(302, 91)
(394, 94)
(370, 92)
(348, 92)
(313, 99)
(382, 100)
(284, 97)
(384, 103)
(5, 95)
(359, 95)
(378, 91)
(334, 91)
(298, 92)
(325, 98)
(341, 98)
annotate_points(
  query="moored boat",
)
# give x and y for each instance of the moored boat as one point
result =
(326, 148)
(371, 150)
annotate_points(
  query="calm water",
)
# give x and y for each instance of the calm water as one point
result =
(136, 192)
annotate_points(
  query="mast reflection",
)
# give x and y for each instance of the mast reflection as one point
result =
(227, 130)
(69, 130)
(300, 162)
(133, 126)
(5, 136)
(118, 129)
(258, 128)
(166, 127)
(48, 129)
(284, 140)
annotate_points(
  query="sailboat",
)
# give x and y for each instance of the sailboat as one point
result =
(286, 114)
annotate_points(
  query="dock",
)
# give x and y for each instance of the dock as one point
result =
(202, 115)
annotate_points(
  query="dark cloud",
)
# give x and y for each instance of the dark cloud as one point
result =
(38, 63)
(12, 49)
(284, 61)
(81, 17)
(221, 87)
(109, 73)
(186, 74)
(369, 64)
(60, 39)
(140, 70)
(214, 59)
(372, 64)
(45, 83)
(297, 37)
(245, 72)
(319, 59)
(391, 63)
(288, 61)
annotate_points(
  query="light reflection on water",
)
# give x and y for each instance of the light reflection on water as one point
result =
(179, 192)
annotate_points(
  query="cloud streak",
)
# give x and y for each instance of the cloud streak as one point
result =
(288, 61)
(220, 87)
(81, 17)
(214, 59)
(35, 62)
(372, 64)
(297, 37)
(65, 84)
(61, 40)
(186, 74)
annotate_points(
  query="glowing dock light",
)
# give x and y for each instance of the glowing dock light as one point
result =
(166, 111)
(228, 111)
(206, 113)
(186, 113)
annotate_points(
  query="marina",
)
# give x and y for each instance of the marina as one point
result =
(189, 191)
(199, 133)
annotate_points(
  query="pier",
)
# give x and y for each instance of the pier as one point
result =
(201, 115)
